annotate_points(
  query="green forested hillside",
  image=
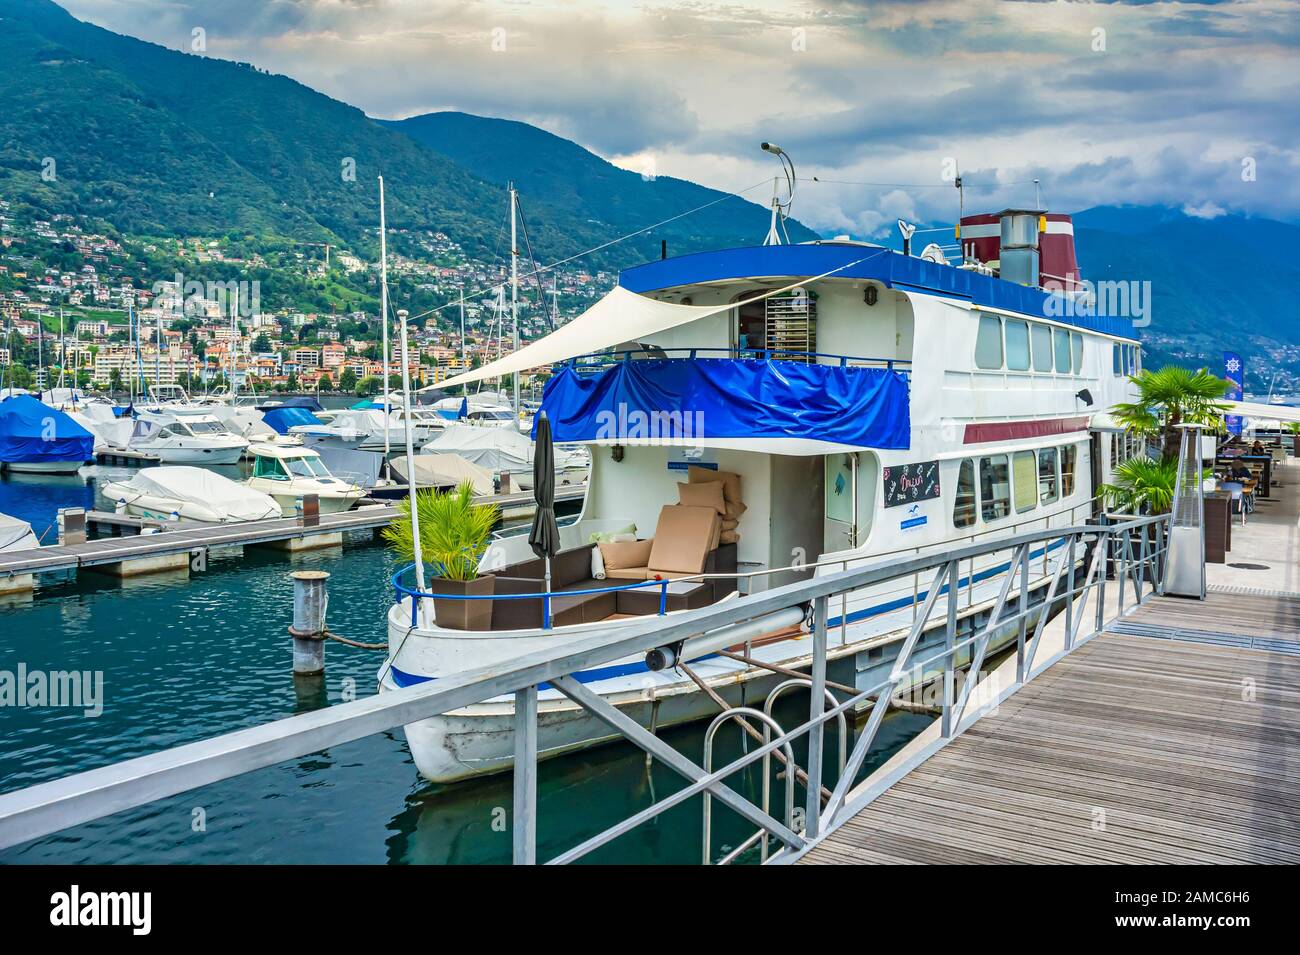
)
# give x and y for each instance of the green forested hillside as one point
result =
(160, 142)
(549, 169)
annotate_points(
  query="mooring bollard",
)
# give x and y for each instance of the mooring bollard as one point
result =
(310, 599)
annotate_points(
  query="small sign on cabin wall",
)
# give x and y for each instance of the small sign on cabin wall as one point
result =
(909, 483)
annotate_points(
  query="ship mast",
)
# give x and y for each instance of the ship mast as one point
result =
(514, 289)
(383, 307)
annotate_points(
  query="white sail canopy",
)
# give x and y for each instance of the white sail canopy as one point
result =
(621, 316)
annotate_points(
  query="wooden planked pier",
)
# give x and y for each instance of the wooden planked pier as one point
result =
(1178, 749)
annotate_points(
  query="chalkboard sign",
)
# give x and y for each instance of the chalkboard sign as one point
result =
(909, 483)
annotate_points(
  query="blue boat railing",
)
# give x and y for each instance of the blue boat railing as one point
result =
(400, 589)
(604, 359)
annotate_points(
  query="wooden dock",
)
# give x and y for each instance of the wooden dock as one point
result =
(194, 538)
(1127, 750)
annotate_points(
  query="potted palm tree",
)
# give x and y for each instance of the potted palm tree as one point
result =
(1168, 397)
(454, 533)
(1142, 486)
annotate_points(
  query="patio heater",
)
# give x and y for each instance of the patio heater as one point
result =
(1185, 561)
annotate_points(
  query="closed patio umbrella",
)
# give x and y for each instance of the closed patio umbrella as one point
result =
(544, 538)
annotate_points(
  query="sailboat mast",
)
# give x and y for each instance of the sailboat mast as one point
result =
(463, 363)
(514, 288)
(410, 454)
(63, 350)
(383, 306)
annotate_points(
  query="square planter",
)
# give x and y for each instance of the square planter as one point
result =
(463, 614)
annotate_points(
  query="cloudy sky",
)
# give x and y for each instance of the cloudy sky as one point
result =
(1189, 104)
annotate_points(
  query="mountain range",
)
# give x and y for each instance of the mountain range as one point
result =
(159, 142)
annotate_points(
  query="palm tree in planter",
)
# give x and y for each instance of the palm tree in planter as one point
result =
(454, 534)
(1168, 397)
(1294, 428)
(1142, 486)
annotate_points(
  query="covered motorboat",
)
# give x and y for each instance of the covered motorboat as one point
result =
(16, 534)
(288, 474)
(364, 429)
(444, 471)
(188, 438)
(499, 450)
(36, 438)
(190, 494)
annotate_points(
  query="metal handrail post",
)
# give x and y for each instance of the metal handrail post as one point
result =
(1023, 608)
(950, 640)
(817, 705)
(525, 776)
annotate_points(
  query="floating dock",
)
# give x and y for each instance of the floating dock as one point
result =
(148, 549)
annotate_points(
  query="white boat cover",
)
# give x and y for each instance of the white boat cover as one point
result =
(232, 500)
(16, 534)
(496, 449)
(242, 421)
(445, 470)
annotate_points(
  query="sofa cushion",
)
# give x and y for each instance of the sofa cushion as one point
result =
(702, 494)
(730, 481)
(622, 554)
(683, 539)
(627, 573)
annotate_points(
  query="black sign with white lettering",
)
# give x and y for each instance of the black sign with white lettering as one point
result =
(909, 483)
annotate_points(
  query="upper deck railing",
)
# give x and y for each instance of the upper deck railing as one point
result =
(597, 360)
(1135, 548)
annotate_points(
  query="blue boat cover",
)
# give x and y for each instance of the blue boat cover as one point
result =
(297, 401)
(684, 399)
(34, 432)
(285, 417)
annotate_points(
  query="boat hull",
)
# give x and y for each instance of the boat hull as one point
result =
(44, 467)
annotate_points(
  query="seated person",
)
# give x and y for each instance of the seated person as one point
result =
(1258, 447)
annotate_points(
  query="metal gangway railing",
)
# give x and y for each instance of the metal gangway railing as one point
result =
(1131, 551)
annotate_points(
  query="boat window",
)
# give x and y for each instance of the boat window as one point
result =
(306, 467)
(995, 486)
(1048, 485)
(1017, 345)
(963, 506)
(1076, 348)
(1069, 453)
(169, 431)
(1026, 484)
(1042, 336)
(839, 488)
(1116, 361)
(267, 467)
(207, 427)
(988, 343)
(1061, 342)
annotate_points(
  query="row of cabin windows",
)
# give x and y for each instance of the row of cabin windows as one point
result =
(1023, 480)
(1019, 345)
(1125, 359)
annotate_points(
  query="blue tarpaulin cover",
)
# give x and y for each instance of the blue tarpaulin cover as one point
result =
(285, 417)
(32, 432)
(681, 399)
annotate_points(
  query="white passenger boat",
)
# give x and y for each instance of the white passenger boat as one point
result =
(763, 414)
(358, 429)
(190, 494)
(287, 474)
(188, 437)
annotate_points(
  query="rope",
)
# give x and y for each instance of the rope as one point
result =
(328, 634)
